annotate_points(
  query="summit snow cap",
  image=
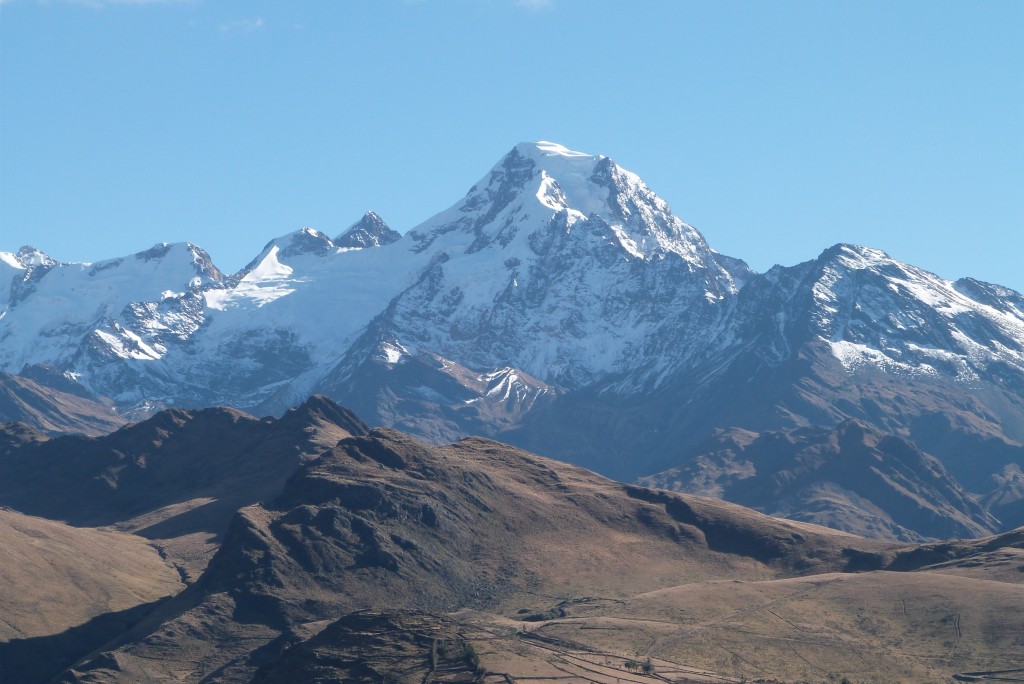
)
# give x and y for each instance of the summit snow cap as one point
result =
(549, 186)
(566, 177)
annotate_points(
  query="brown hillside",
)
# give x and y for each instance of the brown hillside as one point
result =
(51, 403)
(91, 571)
(66, 590)
(384, 521)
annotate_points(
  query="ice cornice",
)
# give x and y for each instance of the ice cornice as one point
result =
(546, 149)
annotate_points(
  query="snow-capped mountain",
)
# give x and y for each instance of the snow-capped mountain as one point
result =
(876, 312)
(561, 305)
(95, 321)
(558, 263)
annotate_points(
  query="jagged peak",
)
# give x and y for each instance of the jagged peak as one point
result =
(185, 251)
(534, 163)
(369, 231)
(841, 261)
(933, 290)
(537, 167)
(29, 256)
(992, 294)
(298, 242)
(162, 249)
(176, 419)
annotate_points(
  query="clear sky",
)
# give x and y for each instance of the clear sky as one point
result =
(776, 128)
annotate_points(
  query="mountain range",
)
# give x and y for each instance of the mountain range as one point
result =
(563, 307)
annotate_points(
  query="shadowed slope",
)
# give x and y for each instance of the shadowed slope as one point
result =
(49, 402)
(177, 478)
(849, 478)
(173, 457)
(384, 521)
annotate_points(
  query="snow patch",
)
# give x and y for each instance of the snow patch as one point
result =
(392, 353)
(11, 260)
(132, 348)
(627, 242)
(268, 281)
(855, 356)
(550, 194)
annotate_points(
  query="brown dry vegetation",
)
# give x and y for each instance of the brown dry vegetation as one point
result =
(882, 626)
(872, 627)
(54, 577)
(49, 402)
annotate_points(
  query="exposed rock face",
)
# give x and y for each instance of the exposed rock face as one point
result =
(559, 264)
(369, 231)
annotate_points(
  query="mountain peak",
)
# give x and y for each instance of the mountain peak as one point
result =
(303, 241)
(319, 411)
(369, 231)
(176, 253)
(28, 256)
(537, 182)
(855, 256)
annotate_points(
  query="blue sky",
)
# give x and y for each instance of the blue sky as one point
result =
(776, 128)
